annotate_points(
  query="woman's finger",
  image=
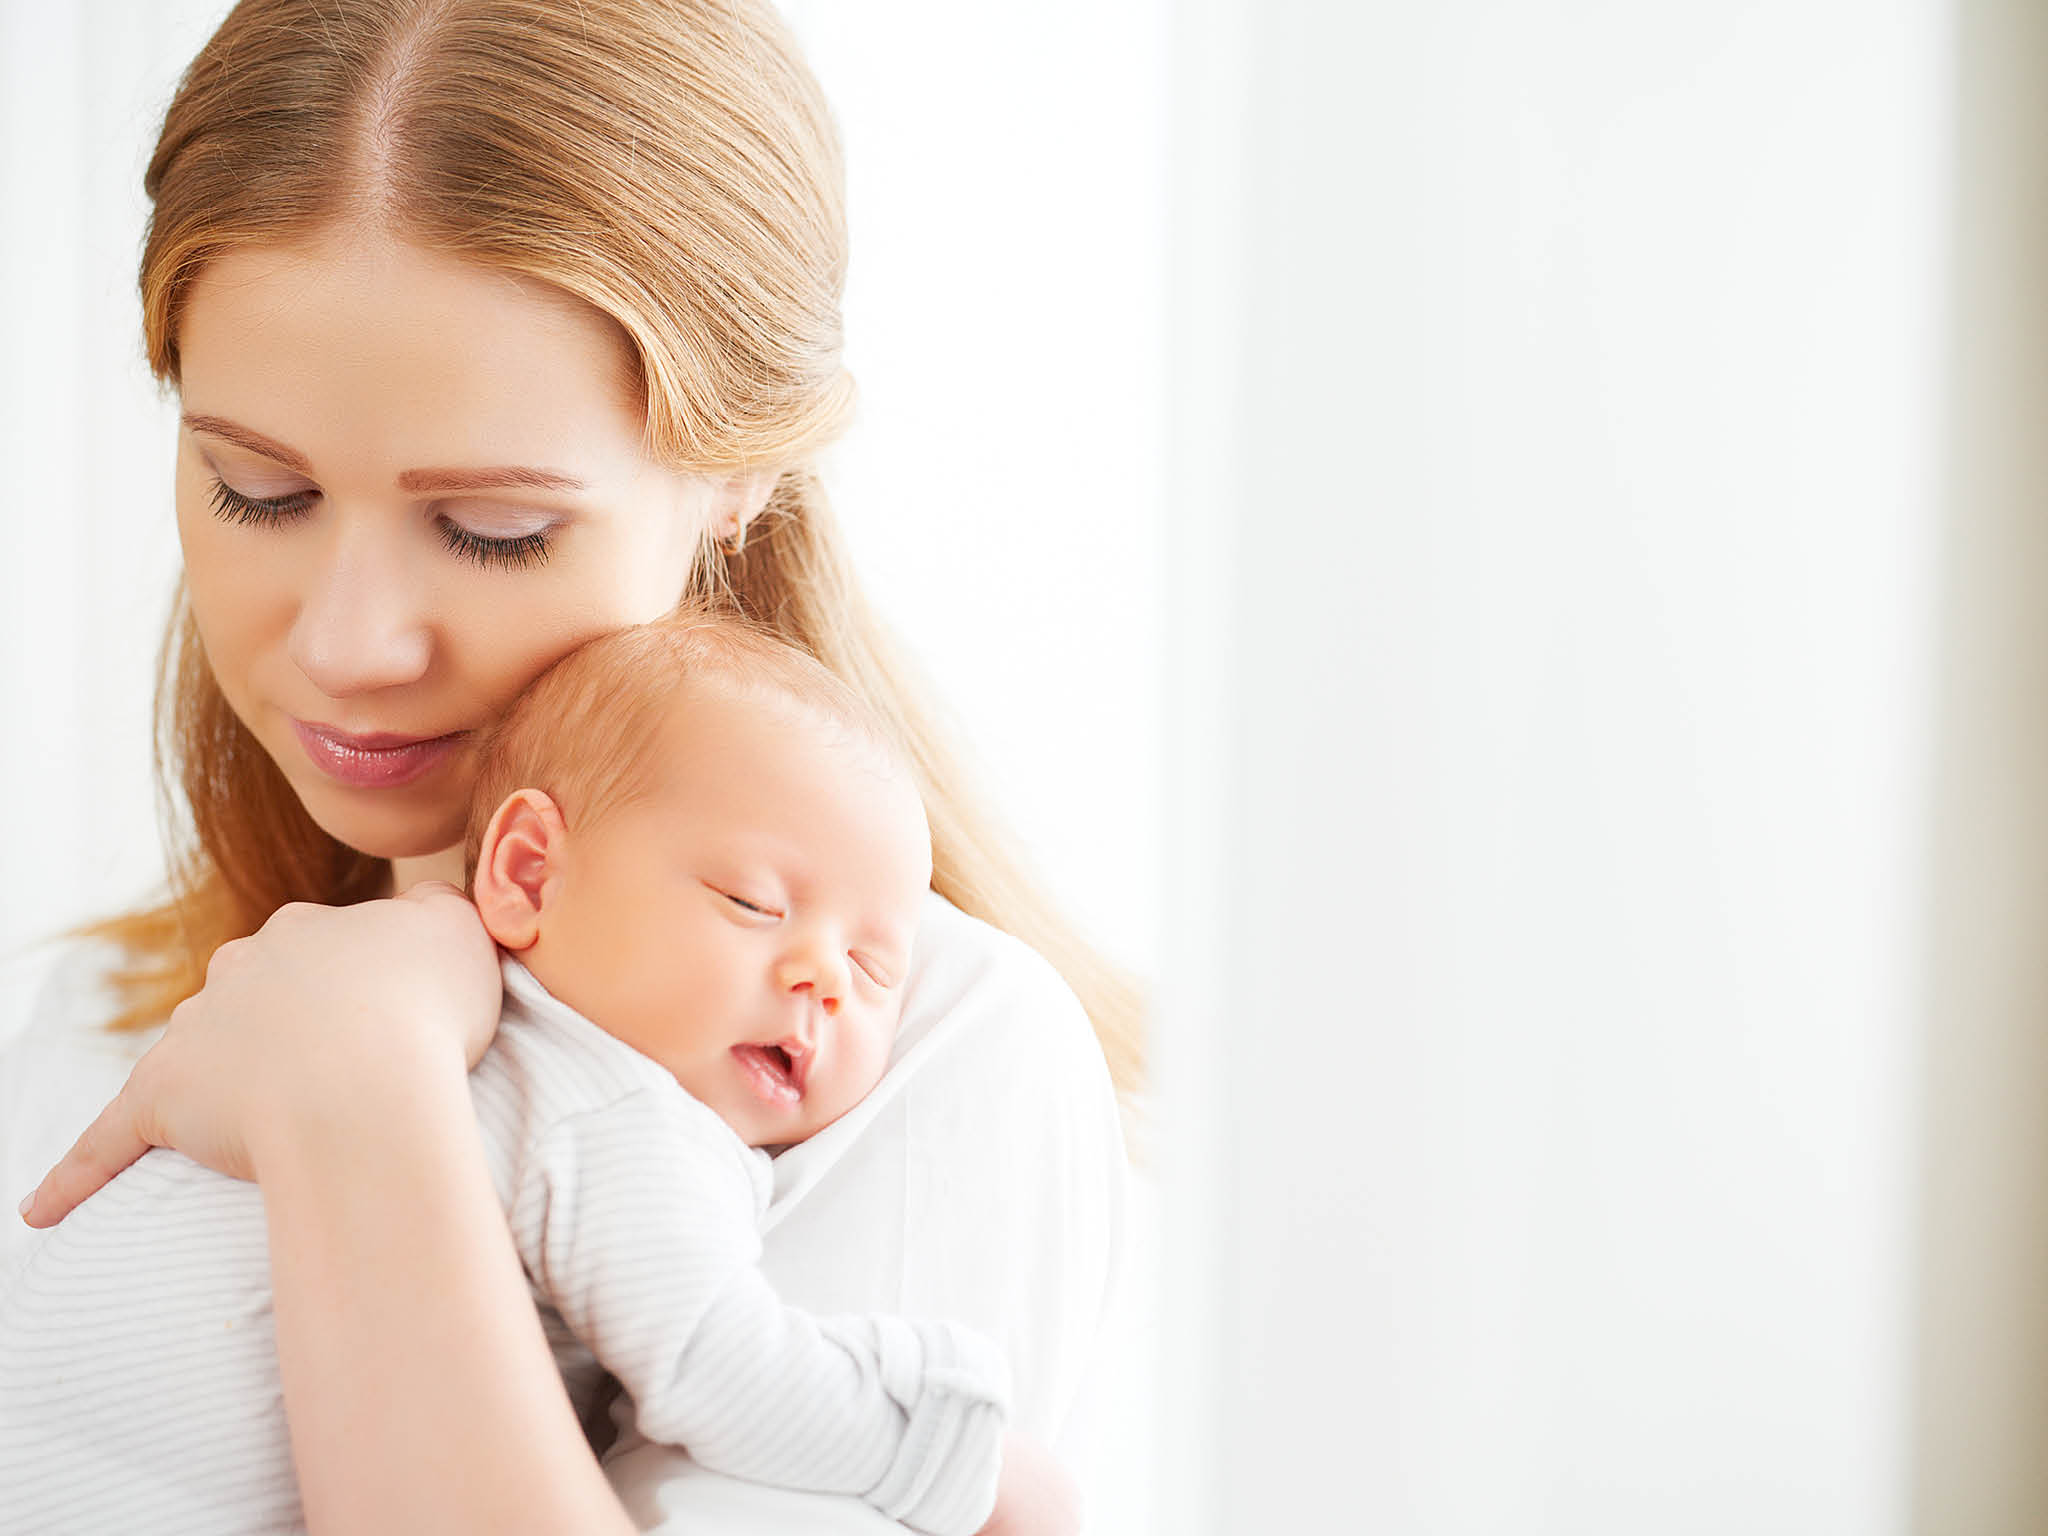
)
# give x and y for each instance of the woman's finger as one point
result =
(109, 1144)
(432, 890)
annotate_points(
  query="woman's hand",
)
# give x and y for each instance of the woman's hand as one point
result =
(326, 1011)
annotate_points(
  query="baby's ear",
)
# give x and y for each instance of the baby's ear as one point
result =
(516, 867)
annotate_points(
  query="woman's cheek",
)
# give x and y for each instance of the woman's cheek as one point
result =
(503, 629)
(241, 596)
(651, 570)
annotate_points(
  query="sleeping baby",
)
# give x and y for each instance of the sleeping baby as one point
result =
(705, 863)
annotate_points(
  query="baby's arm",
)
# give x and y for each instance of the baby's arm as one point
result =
(639, 1223)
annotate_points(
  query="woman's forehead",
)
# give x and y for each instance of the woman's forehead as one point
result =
(358, 344)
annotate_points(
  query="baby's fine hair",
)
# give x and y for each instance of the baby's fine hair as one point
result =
(588, 730)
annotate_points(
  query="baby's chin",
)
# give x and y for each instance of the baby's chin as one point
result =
(773, 1132)
(816, 1119)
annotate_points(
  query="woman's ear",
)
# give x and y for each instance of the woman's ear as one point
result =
(739, 501)
(517, 867)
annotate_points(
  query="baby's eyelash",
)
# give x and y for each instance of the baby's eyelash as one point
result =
(879, 978)
(266, 511)
(741, 901)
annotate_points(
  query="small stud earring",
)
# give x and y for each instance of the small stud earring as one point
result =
(735, 541)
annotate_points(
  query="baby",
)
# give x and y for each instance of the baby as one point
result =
(705, 862)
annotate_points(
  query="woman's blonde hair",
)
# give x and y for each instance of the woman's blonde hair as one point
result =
(673, 164)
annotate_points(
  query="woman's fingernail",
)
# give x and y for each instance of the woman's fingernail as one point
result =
(28, 1203)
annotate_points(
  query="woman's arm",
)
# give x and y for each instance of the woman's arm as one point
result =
(327, 1058)
(421, 1391)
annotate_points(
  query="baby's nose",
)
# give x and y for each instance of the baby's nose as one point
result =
(826, 999)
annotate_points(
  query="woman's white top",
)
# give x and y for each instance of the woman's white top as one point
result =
(982, 1182)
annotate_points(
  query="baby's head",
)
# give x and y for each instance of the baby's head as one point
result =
(705, 843)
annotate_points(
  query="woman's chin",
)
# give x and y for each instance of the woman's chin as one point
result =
(383, 831)
(425, 814)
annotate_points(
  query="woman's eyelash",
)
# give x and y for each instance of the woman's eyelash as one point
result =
(513, 554)
(262, 510)
(268, 511)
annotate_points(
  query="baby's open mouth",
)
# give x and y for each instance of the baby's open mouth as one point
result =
(771, 1072)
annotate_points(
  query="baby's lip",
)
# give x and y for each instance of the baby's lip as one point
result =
(775, 1070)
(797, 1055)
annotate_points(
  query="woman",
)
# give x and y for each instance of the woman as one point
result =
(495, 326)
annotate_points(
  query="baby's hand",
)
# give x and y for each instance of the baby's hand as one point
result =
(1035, 1495)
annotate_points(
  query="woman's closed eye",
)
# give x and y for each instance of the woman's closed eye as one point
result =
(514, 553)
(264, 511)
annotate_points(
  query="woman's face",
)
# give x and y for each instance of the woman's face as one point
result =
(405, 486)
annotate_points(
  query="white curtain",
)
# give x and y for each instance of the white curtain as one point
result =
(85, 456)
(1603, 1072)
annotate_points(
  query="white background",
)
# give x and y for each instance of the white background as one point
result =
(1570, 440)
(1486, 546)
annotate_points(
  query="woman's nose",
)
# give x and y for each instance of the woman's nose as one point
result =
(360, 624)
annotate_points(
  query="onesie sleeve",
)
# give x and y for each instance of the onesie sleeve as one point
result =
(639, 1222)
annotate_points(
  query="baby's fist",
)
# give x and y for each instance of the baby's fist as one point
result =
(1035, 1495)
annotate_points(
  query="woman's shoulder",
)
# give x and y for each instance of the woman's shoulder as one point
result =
(60, 997)
(994, 1049)
(969, 978)
(66, 975)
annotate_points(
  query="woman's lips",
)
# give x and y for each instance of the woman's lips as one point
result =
(373, 762)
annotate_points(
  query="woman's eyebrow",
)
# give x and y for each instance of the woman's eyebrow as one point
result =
(486, 479)
(255, 442)
(414, 480)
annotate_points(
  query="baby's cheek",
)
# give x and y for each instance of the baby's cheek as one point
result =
(877, 1044)
(864, 1057)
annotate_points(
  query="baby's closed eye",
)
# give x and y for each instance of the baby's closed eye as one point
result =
(758, 908)
(880, 974)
